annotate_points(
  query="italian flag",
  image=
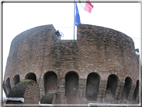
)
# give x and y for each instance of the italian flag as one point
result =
(87, 6)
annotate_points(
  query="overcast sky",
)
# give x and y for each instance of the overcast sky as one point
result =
(18, 17)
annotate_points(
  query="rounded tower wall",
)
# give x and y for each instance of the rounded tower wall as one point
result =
(97, 50)
(27, 51)
(108, 51)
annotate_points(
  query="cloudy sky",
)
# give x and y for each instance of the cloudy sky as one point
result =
(18, 17)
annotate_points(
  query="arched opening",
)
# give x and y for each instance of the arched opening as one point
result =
(112, 84)
(8, 86)
(4, 88)
(50, 82)
(136, 92)
(16, 79)
(31, 76)
(71, 83)
(126, 88)
(92, 86)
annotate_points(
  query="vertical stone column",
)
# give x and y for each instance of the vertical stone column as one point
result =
(41, 88)
(61, 91)
(130, 96)
(82, 88)
(102, 90)
(119, 90)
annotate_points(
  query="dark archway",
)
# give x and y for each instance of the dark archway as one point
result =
(50, 82)
(136, 92)
(31, 76)
(4, 88)
(92, 86)
(16, 79)
(8, 86)
(71, 83)
(126, 88)
(112, 84)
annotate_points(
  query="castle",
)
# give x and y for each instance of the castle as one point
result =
(99, 67)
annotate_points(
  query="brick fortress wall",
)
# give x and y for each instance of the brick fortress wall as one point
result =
(100, 66)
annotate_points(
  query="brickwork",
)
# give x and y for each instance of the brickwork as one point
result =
(27, 89)
(97, 50)
(31, 95)
(102, 91)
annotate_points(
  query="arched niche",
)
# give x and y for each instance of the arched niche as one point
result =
(136, 92)
(16, 79)
(31, 76)
(92, 86)
(50, 82)
(71, 83)
(112, 84)
(126, 88)
(8, 86)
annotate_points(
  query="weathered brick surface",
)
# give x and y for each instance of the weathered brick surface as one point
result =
(97, 49)
(32, 94)
(27, 89)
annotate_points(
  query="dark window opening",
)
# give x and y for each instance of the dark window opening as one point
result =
(8, 86)
(127, 88)
(50, 82)
(71, 83)
(16, 79)
(31, 76)
(136, 92)
(112, 84)
(92, 86)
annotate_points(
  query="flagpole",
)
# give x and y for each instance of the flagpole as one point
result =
(74, 22)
